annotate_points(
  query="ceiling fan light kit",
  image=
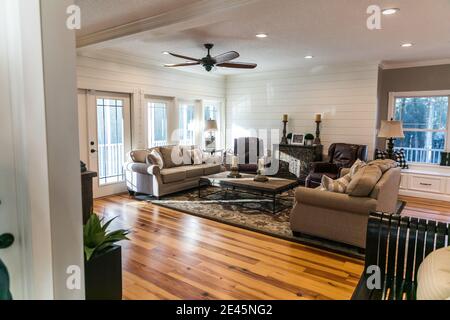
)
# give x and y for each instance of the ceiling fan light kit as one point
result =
(209, 62)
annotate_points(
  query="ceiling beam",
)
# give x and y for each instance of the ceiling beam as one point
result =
(198, 13)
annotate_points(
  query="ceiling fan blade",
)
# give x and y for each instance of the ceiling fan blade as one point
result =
(183, 57)
(238, 65)
(228, 56)
(171, 65)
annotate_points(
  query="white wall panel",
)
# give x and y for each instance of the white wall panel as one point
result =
(346, 95)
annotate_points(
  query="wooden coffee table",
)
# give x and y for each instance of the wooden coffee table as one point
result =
(272, 189)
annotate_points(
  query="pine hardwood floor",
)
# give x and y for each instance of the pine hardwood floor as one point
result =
(174, 255)
(427, 209)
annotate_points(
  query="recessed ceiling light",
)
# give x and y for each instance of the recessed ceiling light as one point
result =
(309, 57)
(261, 35)
(166, 52)
(390, 11)
(407, 45)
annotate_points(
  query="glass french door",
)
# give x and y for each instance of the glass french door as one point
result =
(109, 141)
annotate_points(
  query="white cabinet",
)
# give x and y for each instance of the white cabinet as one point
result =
(427, 183)
(404, 181)
(433, 183)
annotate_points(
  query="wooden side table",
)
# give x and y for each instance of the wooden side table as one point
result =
(87, 194)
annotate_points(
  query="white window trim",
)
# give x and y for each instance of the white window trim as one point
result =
(394, 95)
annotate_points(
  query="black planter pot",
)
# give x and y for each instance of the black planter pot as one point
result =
(103, 275)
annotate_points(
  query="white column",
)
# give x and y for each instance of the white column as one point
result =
(42, 104)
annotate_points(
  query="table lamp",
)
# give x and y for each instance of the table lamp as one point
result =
(211, 127)
(391, 130)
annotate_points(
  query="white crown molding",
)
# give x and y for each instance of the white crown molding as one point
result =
(182, 18)
(424, 63)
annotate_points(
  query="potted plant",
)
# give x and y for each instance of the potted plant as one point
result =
(6, 240)
(309, 139)
(103, 260)
(289, 137)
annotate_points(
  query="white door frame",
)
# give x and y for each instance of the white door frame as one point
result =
(92, 96)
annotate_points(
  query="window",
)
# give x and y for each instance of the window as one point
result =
(157, 124)
(211, 111)
(110, 135)
(425, 119)
(186, 124)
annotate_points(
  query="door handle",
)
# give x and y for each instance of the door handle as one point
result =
(93, 151)
(6, 240)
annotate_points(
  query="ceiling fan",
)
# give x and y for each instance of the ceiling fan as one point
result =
(208, 62)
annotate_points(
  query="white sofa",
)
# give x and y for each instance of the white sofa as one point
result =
(147, 178)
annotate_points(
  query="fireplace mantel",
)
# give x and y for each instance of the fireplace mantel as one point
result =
(296, 159)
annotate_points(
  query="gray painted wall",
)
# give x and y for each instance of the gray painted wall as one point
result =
(428, 78)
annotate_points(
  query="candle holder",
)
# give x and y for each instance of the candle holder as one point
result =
(317, 140)
(234, 173)
(284, 139)
(260, 177)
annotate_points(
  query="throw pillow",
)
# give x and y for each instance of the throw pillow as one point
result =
(400, 157)
(154, 158)
(356, 166)
(338, 186)
(172, 156)
(196, 156)
(380, 155)
(384, 165)
(139, 156)
(364, 181)
(187, 155)
(433, 278)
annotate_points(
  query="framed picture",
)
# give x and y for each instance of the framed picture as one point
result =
(298, 138)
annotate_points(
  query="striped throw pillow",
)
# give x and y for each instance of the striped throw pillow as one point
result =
(339, 185)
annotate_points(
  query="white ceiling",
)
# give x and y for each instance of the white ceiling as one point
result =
(333, 31)
(102, 14)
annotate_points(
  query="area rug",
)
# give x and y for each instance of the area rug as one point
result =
(251, 212)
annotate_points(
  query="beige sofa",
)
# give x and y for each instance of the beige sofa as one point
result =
(341, 217)
(146, 178)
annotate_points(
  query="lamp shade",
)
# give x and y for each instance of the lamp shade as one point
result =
(211, 125)
(391, 129)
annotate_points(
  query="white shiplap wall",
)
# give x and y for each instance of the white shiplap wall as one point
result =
(96, 73)
(346, 95)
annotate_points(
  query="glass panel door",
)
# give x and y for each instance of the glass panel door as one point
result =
(109, 141)
(111, 155)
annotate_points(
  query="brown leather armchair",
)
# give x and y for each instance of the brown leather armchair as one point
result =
(341, 155)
